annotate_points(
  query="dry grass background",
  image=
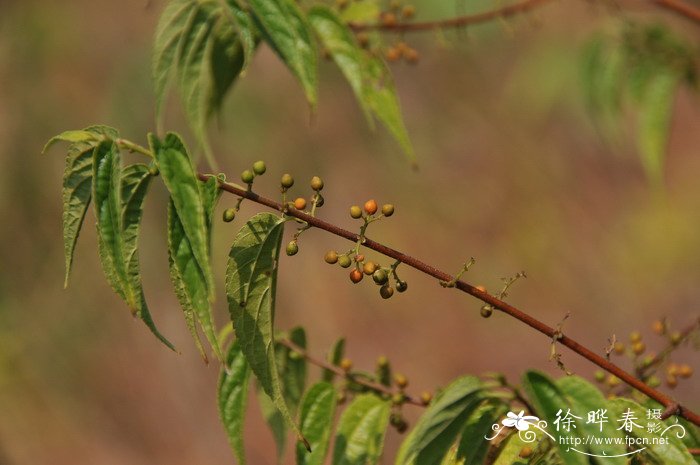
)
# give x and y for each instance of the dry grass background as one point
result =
(512, 172)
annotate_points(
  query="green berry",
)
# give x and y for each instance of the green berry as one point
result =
(380, 276)
(292, 248)
(386, 291)
(287, 181)
(247, 176)
(259, 167)
(388, 210)
(316, 183)
(229, 214)
(355, 212)
(331, 257)
(401, 286)
(344, 261)
(486, 311)
(600, 376)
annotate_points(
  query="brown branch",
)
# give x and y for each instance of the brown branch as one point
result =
(377, 387)
(681, 8)
(489, 299)
(460, 21)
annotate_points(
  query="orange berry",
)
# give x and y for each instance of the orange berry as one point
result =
(392, 54)
(300, 203)
(411, 55)
(371, 207)
(388, 19)
(356, 276)
(685, 371)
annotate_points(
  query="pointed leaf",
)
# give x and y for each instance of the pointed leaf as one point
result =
(251, 281)
(473, 447)
(286, 30)
(233, 398)
(361, 430)
(316, 421)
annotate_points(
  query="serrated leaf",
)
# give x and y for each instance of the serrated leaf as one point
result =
(584, 397)
(316, 416)
(190, 209)
(233, 398)
(335, 355)
(654, 124)
(548, 399)
(118, 200)
(77, 182)
(251, 281)
(673, 452)
(368, 76)
(285, 29)
(361, 429)
(473, 446)
(275, 421)
(438, 428)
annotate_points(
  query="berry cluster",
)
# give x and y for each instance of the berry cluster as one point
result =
(247, 176)
(300, 204)
(402, 50)
(380, 275)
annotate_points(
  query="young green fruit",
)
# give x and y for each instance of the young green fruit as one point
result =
(292, 248)
(401, 286)
(316, 183)
(355, 212)
(386, 291)
(346, 364)
(331, 257)
(356, 276)
(400, 380)
(287, 181)
(259, 167)
(300, 203)
(600, 376)
(344, 261)
(229, 214)
(247, 176)
(380, 276)
(387, 210)
(426, 397)
(371, 207)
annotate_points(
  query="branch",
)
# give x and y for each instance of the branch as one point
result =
(489, 299)
(681, 8)
(460, 21)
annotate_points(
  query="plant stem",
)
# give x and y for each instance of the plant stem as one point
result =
(673, 408)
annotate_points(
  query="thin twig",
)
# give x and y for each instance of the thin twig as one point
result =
(487, 298)
(681, 8)
(377, 387)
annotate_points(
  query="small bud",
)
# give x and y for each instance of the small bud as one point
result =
(300, 203)
(392, 54)
(671, 381)
(654, 382)
(359, 258)
(400, 380)
(635, 337)
(388, 19)
(247, 176)
(638, 348)
(153, 170)
(344, 261)
(382, 361)
(371, 207)
(346, 364)
(355, 212)
(659, 327)
(486, 311)
(613, 381)
(619, 348)
(600, 376)
(426, 397)
(369, 267)
(356, 276)
(412, 56)
(387, 210)
(386, 291)
(525, 452)
(287, 181)
(672, 369)
(259, 167)
(292, 248)
(316, 183)
(408, 11)
(685, 371)
(676, 338)
(229, 214)
(331, 257)
(398, 398)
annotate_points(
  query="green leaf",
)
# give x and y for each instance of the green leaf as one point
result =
(118, 200)
(251, 281)
(510, 453)
(672, 453)
(316, 422)
(439, 426)
(285, 29)
(548, 399)
(363, 11)
(361, 429)
(189, 222)
(334, 357)
(275, 421)
(77, 182)
(584, 397)
(473, 446)
(654, 124)
(367, 74)
(233, 397)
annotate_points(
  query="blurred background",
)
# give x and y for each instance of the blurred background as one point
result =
(512, 172)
